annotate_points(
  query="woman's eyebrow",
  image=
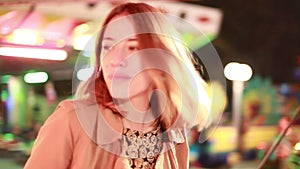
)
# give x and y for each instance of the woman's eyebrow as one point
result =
(132, 39)
(112, 39)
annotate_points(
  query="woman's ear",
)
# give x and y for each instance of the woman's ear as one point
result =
(98, 72)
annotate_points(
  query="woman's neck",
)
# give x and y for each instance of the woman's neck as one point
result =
(137, 113)
(145, 127)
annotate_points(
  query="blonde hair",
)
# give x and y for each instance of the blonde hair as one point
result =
(187, 102)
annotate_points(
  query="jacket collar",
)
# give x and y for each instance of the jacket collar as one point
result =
(105, 127)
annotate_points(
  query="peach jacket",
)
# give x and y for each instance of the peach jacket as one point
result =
(63, 143)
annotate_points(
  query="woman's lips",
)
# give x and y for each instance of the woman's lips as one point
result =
(118, 77)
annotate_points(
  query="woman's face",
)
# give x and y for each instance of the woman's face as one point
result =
(121, 64)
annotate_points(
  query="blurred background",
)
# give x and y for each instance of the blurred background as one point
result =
(40, 41)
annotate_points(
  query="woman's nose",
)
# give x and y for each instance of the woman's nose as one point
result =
(118, 59)
(118, 62)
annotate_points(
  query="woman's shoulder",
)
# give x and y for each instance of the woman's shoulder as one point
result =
(64, 112)
(66, 105)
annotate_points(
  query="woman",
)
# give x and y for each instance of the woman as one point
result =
(135, 109)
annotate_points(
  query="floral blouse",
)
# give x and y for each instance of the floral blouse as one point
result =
(142, 149)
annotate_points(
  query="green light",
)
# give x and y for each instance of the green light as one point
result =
(8, 137)
(4, 79)
(36, 77)
(196, 41)
(4, 95)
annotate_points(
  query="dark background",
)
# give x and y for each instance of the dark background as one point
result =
(262, 33)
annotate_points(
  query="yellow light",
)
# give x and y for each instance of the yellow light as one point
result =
(60, 43)
(36, 77)
(83, 28)
(297, 146)
(84, 36)
(24, 37)
(80, 42)
(40, 41)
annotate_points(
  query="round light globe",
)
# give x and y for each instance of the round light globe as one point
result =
(237, 71)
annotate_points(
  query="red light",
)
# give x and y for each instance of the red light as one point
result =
(203, 19)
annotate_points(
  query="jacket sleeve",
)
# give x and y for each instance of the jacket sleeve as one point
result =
(182, 154)
(53, 146)
(175, 158)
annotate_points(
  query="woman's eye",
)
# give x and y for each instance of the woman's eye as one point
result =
(106, 47)
(133, 48)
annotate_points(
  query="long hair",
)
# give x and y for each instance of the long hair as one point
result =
(184, 90)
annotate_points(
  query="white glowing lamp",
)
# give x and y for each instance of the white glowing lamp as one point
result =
(237, 72)
(85, 73)
(36, 77)
(34, 53)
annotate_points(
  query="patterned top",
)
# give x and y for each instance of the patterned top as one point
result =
(142, 149)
